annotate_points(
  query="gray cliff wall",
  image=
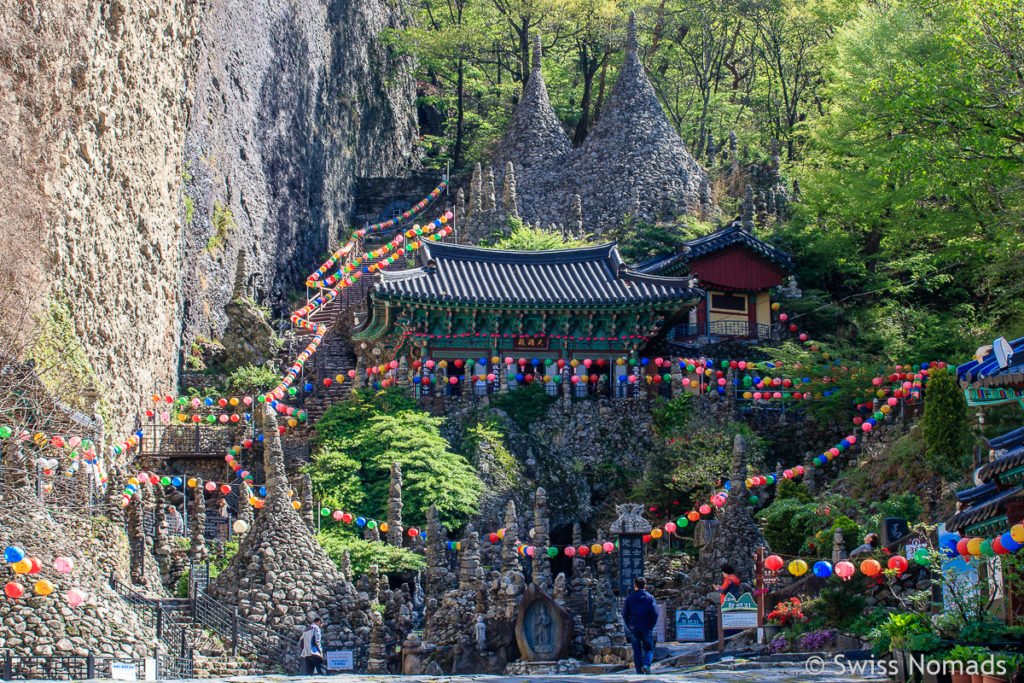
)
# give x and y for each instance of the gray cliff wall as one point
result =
(293, 101)
(129, 121)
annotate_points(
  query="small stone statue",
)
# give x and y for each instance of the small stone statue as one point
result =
(481, 634)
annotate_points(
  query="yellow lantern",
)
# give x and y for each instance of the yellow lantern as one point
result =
(748, 395)
(252, 500)
(1017, 533)
(339, 378)
(749, 482)
(776, 306)
(655, 533)
(22, 566)
(43, 587)
(575, 363)
(292, 422)
(134, 481)
(886, 408)
(233, 401)
(182, 417)
(880, 393)
(596, 549)
(442, 363)
(495, 360)
(296, 504)
(620, 361)
(383, 527)
(191, 483)
(974, 546)
(797, 567)
(547, 378)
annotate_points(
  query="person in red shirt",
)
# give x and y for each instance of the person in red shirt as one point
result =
(730, 582)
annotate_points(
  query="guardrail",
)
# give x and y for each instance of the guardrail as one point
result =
(177, 661)
(64, 667)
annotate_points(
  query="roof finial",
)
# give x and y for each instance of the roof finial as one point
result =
(537, 53)
(631, 32)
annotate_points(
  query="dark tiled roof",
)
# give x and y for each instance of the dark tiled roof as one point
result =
(971, 496)
(1008, 462)
(1008, 440)
(986, 372)
(582, 276)
(730, 235)
(735, 234)
(983, 511)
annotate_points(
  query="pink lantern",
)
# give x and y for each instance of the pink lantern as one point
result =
(788, 474)
(247, 400)
(632, 379)
(195, 403)
(669, 527)
(866, 426)
(570, 551)
(453, 380)
(798, 470)
(429, 364)
(892, 401)
(223, 418)
(783, 317)
(844, 570)
(166, 417)
(608, 546)
(74, 597)
(491, 377)
(852, 439)
(337, 515)
(63, 564)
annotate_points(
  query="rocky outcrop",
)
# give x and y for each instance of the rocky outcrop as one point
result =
(293, 101)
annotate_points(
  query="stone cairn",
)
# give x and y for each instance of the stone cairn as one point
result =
(281, 577)
(541, 525)
(735, 539)
(394, 533)
(632, 161)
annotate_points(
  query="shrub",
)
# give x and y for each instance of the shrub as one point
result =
(363, 553)
(672, 415)
(944, 426)
(525, 405)
(787, 488)
(251, 379)
(839, 607)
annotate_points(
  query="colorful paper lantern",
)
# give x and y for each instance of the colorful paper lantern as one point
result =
(797, 567)
(844, 570)
(13, 590)
(870, 567)
(773, 563)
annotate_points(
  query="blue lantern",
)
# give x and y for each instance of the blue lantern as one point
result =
(176, 481)
(823, 569)
(360, 521)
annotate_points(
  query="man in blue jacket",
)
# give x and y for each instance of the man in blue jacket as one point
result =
(640, 614)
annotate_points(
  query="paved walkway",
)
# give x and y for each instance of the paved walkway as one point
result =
(734, 672)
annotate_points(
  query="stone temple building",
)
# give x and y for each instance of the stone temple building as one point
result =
(632, 163)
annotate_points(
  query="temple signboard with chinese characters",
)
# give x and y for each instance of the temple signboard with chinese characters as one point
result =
(538, 343)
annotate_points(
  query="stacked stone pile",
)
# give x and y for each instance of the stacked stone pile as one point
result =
(48, 625)
(281, 577)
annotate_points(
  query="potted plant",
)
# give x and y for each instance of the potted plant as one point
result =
(897, 631)
(1004, 668)
(963, 661)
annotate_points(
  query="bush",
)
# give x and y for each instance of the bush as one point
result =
(787, 488)
(839, 607)
(944, 426)
(788, 524)
(251, 379)
(905, 505)
(672, 415)
(525, 405)
(363, 553)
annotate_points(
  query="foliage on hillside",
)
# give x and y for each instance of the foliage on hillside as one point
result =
(944, 426)
(357, 440)
(362, 553)
(529, 238)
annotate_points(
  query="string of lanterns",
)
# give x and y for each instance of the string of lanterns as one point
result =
(22, 565)
(311, 281)
(299, 317)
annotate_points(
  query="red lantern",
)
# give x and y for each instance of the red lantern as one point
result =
(346, 517)
(705, 509)
(413, 532)
(773, 563)
(899, 563)
(583, 551)
(492, 537)
(225, 489)
(327, 381)
(647, 538)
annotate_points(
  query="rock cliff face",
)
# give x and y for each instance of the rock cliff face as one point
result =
(147, 142)
(293, 101)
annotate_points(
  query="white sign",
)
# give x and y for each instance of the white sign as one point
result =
(913, 545)
(734, 619)
(122, 671)
(690, 625)
(659, 628)
(150, 669)
(339, 660)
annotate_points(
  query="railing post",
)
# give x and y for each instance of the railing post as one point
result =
(90, 666)
(8, 667)
(159, 623)
(234, 632)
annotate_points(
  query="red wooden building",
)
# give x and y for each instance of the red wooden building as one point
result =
(736, 269)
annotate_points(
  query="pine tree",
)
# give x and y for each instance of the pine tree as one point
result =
(944, 426)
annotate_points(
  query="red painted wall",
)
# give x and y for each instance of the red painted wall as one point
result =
(737, 268)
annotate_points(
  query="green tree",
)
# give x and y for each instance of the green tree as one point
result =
(945, 425)
(362, 553)
(529, 238)
(359, 439)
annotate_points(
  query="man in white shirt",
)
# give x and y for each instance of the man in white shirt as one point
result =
(313, 662)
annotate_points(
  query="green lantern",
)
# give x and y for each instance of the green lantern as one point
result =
(552, 552)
